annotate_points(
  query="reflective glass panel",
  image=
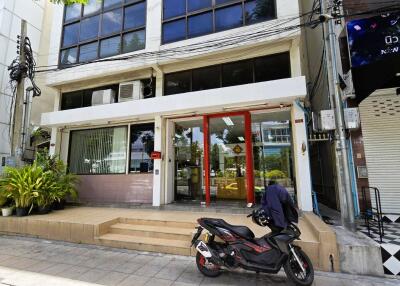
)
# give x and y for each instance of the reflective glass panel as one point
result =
(194, 5)
(111, 3)
(206, 78)
(174, 31)
(71, 100)
(134, 41)
(228, 18)
(173, 8)
(111, 22)
(68, 56)
(72, 12)
(222, 1)
(177, 82)
(189, 158)
(259, 10)
(237, 73)
(92, 6)
(71, 33)
(89, 28)
(272, 151)
(135, 16)
(88, 52)
(110, 47)
(98, 151)
(142, 144)
(272, 67)
(200, 25)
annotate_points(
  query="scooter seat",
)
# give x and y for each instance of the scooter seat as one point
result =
(242, 231)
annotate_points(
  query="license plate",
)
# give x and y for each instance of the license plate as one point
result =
(203, 249)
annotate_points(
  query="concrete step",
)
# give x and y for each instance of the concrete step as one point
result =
(163, 223)
(142, 243)
(165, 232)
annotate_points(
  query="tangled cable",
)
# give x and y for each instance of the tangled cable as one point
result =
(19, 71)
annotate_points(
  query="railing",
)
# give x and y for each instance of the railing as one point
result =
(373, 214)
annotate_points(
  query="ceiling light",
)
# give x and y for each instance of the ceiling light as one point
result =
(241, 138)
(228, 121)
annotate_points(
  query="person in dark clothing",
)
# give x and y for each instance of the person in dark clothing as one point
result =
(279, 206)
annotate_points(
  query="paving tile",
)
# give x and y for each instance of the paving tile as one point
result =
(184, 284)
(134, 280)
(56, 269)
(74, 272)
(328, 281)
(158, 282)
(40, 266)
(91, 276)
(191, 277)
(148, 270)
(141, 259)
(112, 278)
(128, 267)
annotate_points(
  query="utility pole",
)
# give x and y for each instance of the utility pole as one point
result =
(342, 164)
(16, 142)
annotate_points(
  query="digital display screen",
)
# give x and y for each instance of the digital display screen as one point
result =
(373, 39)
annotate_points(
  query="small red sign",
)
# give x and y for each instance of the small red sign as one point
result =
(155, 155)
(299, 121)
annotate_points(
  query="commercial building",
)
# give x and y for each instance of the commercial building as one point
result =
(175, 101)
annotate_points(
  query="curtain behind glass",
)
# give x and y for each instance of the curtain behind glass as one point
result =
(98, 151)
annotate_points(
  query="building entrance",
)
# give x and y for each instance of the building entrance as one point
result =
(231, 157)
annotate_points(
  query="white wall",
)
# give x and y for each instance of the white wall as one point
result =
(11, 13)
(285, 9)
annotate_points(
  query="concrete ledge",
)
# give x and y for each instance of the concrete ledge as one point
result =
(358, 253)
(328, 253)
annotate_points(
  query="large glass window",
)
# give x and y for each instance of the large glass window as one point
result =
(183, 19)
(142, 144)
(266, 68)
(98, 21)
(98, 151)
(83, 98)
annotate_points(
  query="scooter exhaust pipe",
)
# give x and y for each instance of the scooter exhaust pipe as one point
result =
(209, 253)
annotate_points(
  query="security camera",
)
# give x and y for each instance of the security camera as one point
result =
(324, 18)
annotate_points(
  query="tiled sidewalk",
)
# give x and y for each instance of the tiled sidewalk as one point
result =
(34, 262)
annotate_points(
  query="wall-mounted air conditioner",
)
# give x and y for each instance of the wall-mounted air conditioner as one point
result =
(105, 96)
(130, 91)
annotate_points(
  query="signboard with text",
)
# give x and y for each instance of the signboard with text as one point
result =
(373, 39)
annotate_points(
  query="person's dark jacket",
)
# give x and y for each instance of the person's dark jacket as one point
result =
(278, 204)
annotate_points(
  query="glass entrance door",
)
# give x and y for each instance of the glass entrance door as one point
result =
(227, 152)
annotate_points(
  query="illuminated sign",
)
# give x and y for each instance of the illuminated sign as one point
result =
(373, 39)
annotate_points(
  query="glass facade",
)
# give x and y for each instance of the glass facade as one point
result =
(266, 68)
(142, 144)
(98, 151)
(102, 29)
(184, 19)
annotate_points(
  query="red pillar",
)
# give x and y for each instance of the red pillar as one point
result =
(206, 159)
(249, 158)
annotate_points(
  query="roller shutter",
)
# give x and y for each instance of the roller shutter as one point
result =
(380, 119)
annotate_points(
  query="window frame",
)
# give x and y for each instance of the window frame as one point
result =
(123, 5)
(89, 129)
(214, 7)
(129, 157)
(220, 67)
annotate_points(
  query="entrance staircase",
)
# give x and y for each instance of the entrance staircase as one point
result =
(172, 237)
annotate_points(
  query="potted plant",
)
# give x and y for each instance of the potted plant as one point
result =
(5, 204)
(21, 185)
(48, 193)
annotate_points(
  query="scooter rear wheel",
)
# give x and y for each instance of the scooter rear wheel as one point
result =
(294, 271)
(207, 268)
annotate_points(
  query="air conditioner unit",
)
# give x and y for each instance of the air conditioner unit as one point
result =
(105, 96)
(130, 91)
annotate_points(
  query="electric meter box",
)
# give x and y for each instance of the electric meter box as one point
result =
(352, 118)
(327, 120)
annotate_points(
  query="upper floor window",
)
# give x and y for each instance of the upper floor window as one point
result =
(102, 29)
(184, 19)
(266, 68)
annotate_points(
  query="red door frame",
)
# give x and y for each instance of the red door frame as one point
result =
(249, 153)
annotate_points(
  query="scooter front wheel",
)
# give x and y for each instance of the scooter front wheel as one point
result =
(302, 276)
(207, 268)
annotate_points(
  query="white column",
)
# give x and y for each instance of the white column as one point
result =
(55, 135)
(169, 162)
(158, 182)
(153, 27)
(301, 158)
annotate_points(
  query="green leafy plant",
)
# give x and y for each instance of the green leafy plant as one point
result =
(22, 184)
(69, 2)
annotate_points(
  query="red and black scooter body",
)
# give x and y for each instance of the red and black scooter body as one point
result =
(240, 248)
